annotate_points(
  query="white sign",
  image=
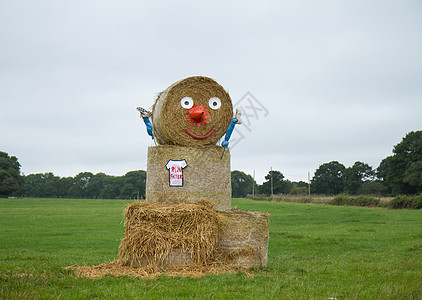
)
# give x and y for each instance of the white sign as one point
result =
(175, 168)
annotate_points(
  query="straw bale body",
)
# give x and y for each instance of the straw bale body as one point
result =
(207, 175)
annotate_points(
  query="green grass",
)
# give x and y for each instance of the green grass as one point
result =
(315, 252)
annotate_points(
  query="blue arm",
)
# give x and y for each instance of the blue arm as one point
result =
(229, 132)
(149, 126)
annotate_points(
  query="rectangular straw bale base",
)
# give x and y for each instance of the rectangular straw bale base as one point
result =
(234, 238)
(243, 238)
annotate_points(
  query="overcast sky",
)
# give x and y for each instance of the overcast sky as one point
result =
(329, 80)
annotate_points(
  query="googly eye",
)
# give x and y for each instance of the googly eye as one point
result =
(214, 103)
(186, 102)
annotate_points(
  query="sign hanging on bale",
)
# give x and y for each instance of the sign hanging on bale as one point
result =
(175, 168)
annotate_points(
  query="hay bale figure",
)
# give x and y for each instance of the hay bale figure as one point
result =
(186, 226)
(188, 118)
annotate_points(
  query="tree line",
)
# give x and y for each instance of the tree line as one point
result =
(83, 185)
(397, 174)
(400, 173)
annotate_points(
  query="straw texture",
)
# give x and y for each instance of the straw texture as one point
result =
(190, 239)
(206, 177)
(169, 117)
(169, 236)
(243, 238)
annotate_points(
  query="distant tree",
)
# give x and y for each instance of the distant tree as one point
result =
(382, 170)
(402, 170)
(128, 191)
(41, 185)
(10, 178)
(64, 186)
(134, 184)
(242, 184)
(8, 184)
(299, 190)
(373, 188)
(33, 186)
(50, 185)
(81, 185)
(112, 187)
(47, 185)
(301, 184)
(356, 175)
(413, 176)
(88, 185)
(10, 164)
(97, 184)
(328, 179)
(280, 186)
(85, 185)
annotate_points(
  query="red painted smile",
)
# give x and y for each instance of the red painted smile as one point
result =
(199, 137)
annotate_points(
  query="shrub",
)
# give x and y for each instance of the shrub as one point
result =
(401, 202)
(299, 191)
(258, 197)
(367, 201)
(343, 199)
(305, 200)
(417, 203)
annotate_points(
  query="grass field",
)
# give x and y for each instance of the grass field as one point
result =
(315, 252)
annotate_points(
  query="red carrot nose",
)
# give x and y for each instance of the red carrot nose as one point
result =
(196, 114)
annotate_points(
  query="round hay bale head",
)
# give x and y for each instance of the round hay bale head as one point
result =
(195, 111)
